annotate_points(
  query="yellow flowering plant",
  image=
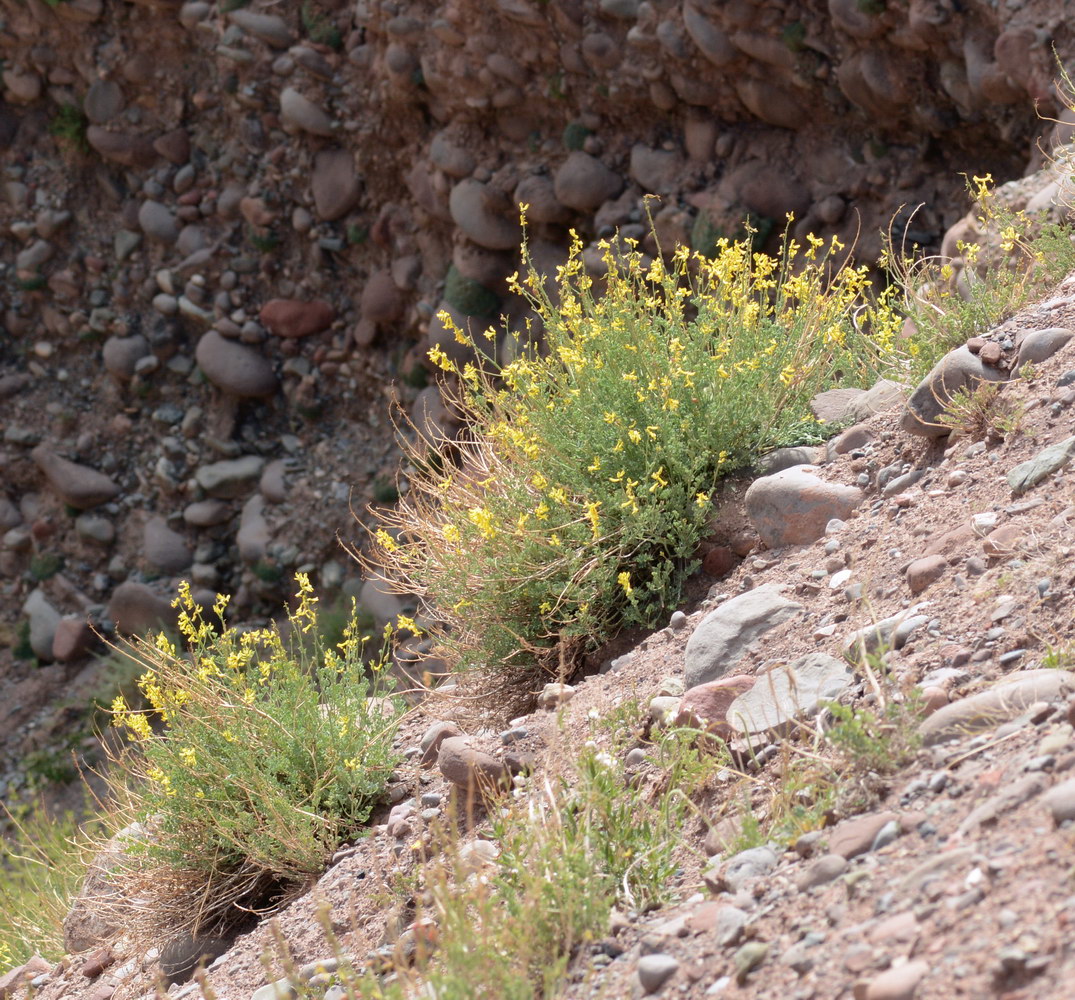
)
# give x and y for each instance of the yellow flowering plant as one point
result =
(255, 755)
(577, 501)
(1005, 260)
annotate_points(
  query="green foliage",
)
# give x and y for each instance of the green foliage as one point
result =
(568, 853)
(45, 565)
(417, 376)
(981, 411)
(881, 741)
(356, 234)
(575, 135)
(267, 572)
(794, 35)
(384, 491)
(579, 503)
(318, 27)
(469, 297)
(22, 650)
(258, 755)
(1016, 259)
(41, 871)
(34, 284)
(265, 242)
(69, 125)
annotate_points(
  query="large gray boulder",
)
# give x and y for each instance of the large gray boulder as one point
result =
(788, 692)
(722, 637)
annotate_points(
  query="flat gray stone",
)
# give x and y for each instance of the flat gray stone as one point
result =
(788, 692)
(268, 28)
(655, 970)
(164, 550)
(301, 113)
(721, 638)
(231, 478)
(235, 368)
(1040, 345)
(1060, 800)
(1028, 474)
(137, 609)
(44, 620)
(583, 183)
(993, 707)
(158, 222)
(335, 183)
(475, 212)
(77, 485)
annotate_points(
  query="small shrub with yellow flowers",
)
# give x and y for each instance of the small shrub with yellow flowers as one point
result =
(258, 754)
(577, 504)
(1009, 259)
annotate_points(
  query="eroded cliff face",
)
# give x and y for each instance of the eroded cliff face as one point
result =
(227, 231)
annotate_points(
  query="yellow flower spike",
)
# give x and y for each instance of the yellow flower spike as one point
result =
(483, 521)
(385, 540)
(451, 533)
(404, 621)
(624, 580)
(541, 511)
(701, 500)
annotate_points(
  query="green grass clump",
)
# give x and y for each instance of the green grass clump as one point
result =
(69, 125)
(469, 297)
(575, 135)
(578, 504)
(567, 853)
(41, 872)
(45, 565)
(318, 27)
(258, 755)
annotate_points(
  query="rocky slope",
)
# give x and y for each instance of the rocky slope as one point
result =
(226, 231)
(951, 558)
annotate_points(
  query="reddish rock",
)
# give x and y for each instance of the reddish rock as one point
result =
(898, 983)
(100, 960)
(855, 836)
(12, 980)
(434, 736)
(922, 572)
(77, 485)
(295, 318)
(990, 352)
(121, 147)
(174, 146)
(468, 768)
(933, 699)
(705, 706)
(793, 507)
(1002, 541)
(73, 639)
(719, 561)
(951, 544)
(381, 301)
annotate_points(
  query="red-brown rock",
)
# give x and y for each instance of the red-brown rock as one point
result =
(719, 561)
(922, 572)
(295, 318)
(705, 706)
(470, 768)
